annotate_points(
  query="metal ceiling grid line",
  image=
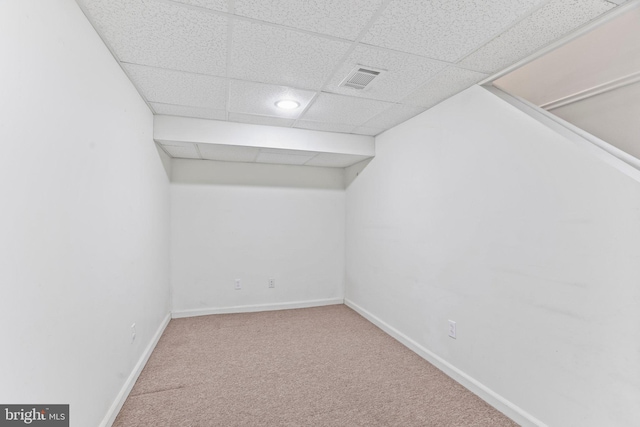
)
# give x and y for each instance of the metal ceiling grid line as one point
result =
(108, 46)
(513, 24)
(229, 45)
(253, 20)
(566, 38)
(346, 55)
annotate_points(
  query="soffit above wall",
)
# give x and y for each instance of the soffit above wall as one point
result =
(230, 60)
(188, 138)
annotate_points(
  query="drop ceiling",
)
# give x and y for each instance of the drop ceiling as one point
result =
(231, 60)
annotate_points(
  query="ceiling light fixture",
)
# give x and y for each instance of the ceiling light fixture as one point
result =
(287, 104)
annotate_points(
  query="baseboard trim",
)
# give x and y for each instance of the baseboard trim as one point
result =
(511, 410)
(115, 408)
(257, 307)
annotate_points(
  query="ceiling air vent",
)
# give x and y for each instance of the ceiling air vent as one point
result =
(360, 77)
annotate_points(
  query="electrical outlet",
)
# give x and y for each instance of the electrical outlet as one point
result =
(133, 332)
(452, 329)
(238, 285)
(272, 283)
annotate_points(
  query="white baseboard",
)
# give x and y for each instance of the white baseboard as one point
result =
(257, 307)
(511, 410)
(113, 411)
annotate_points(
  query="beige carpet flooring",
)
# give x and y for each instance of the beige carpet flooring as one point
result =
(324, 366)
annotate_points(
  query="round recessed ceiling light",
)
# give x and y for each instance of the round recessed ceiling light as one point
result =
(287, 104)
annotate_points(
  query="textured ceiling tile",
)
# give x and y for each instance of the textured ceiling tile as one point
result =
(162, 34)
(221, 5)
(341, 109)
(444, 29)
(181, 110)
(365, 130)
(260, 98)
(260, 120)
(394, 116)
(340, 18)
(334, 160)
(181, 150)
(285, 157)
(449, 82)
(404, 73)
(228, 153)
(267, 54)
(327, 127)
(544, 26)
(177, 87)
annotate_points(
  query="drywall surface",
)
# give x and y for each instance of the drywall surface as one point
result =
(84, 223)
(255, 222)
(474, 212)
(611, 116)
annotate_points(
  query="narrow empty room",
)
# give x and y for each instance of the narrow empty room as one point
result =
(320, 213)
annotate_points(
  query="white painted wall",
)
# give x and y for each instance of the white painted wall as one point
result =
(84, 217)
(255, 222)
(473, 211)
(611, 116)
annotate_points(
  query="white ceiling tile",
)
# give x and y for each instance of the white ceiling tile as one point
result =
(327, 127)
(342, 109)
(177, 87)
(335, 160)
(162, 34)
(447, 83)
(444, 29)
(285, 157)
(181, 110)
(181, 150)
(220, 5)
(545, 25)
(394, 116)
(263, 53)
(404, 73)
(260, 120)
(228, 153)
(340, 18)
(259, 98)
(365, 130)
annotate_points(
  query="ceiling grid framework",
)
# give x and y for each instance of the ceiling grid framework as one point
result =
(231, 60)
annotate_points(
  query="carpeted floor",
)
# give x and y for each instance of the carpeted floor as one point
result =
(324, 366)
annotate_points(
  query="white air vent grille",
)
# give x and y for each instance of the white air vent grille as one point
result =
(360, 78)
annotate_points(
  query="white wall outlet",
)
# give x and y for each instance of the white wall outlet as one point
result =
(272, 283)
(452, 329)
(238, 285)
(133, 332)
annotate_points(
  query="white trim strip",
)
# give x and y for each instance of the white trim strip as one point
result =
(593, 91)
(117, 404)
(253, 308)
(508, 408)
(606, 152)
(603, 19)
